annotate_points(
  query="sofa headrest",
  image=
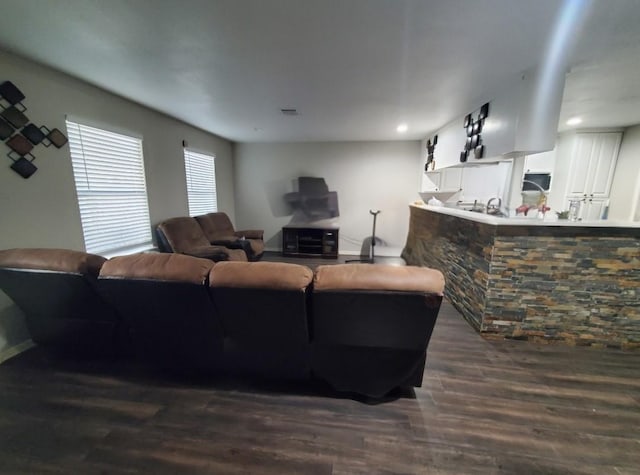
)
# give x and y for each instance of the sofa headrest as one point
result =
(156, 266)
(183, 233)
(260, 275)
(59, 260)
(379, 277)
(216, 225)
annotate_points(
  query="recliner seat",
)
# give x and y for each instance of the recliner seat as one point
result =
(219, 230)
(371, 325)
(263, 308)
(56, 290)
(164, 299)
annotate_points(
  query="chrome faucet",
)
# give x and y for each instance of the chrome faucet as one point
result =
(492, 206)
(496, 210)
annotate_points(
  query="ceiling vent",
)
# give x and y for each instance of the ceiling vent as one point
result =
(289, 111)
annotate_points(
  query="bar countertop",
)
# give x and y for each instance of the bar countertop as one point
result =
(522, 221)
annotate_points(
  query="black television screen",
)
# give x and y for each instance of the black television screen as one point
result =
(543, 180)
(313, 201)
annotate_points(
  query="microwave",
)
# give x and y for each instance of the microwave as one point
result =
(543, 180)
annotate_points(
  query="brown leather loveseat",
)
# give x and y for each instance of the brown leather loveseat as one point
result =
(210, 236)
(184, 235)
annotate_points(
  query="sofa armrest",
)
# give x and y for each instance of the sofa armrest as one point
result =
(250, 233)
(235, 244)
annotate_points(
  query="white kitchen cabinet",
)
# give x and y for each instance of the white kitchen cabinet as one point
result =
(451, 179)
(592, 209)
(540, 162)
(446, 179)
(584, 170)
(593, 164)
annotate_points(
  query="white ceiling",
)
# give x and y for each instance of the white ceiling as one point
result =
(354, 69)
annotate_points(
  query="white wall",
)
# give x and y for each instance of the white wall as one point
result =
(625, 188)
(366, 175)
(42, 211)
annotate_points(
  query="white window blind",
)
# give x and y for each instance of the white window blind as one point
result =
(200, 170)
(112, 193)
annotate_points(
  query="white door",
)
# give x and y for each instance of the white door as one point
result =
(604, 164)
(581, 159)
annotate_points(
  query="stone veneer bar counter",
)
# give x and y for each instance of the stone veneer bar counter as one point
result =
(525, 278)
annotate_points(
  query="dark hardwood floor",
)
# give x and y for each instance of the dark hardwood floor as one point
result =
(485, 407)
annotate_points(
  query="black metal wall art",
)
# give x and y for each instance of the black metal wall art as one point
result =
(19, 134)
(473, 143)
(431, 149)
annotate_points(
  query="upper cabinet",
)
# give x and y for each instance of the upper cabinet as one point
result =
(544, 162)
(584, 170)
(445, 179)
(451, 179)
(593, 164)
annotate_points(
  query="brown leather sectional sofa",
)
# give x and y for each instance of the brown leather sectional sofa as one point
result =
(362, 328)
(210, 236)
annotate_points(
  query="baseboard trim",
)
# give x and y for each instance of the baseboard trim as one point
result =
(15, 350)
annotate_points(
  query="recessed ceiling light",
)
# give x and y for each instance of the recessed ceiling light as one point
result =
(574, 121)
(402, 128)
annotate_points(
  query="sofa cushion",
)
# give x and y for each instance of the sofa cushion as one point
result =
(60, 260)
(156, 266)
(260, 275)
(216, 226)
(183, 234)
(237, 255)
(371, 277)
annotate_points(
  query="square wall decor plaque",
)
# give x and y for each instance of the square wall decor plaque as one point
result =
(19, 144)
(5, 130)
(23, 167)
(57, 138)
(11, 93)
(34, 134)
(16, 118)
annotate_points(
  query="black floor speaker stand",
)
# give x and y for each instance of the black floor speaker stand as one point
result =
(372, 259)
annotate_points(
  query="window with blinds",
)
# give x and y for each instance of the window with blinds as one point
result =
(112, 193)
(200, 170)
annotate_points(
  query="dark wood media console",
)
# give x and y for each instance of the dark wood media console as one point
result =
(310, 241)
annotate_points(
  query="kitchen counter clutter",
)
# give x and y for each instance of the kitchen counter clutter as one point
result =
(525, 278)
